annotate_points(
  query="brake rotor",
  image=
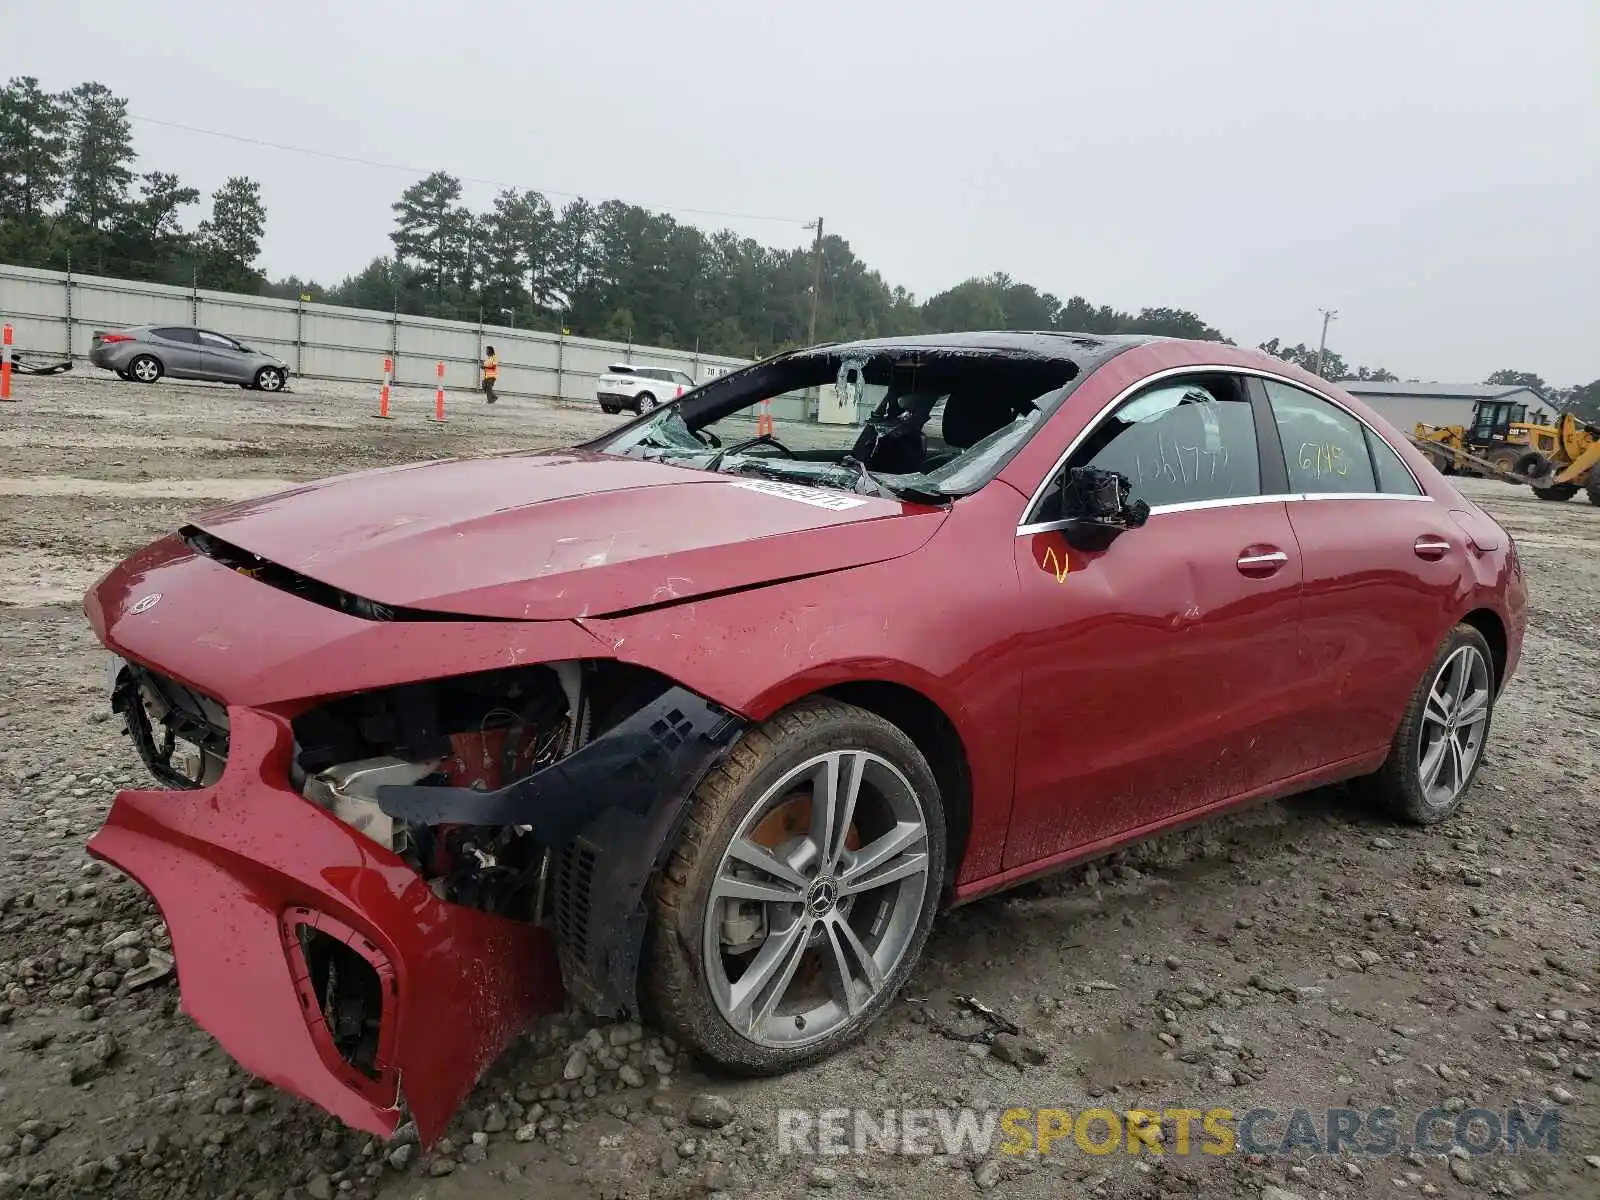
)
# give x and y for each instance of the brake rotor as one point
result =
(791, 818)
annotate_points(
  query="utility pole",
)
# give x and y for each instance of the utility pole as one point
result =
(816, 281)
(1328, 314)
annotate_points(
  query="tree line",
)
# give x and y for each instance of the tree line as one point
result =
(71, 194)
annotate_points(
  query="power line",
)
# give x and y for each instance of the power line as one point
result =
(419, 172)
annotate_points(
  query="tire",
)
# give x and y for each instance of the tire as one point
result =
(1443, 461)
(1413, 785)
(1592, 484)
(643, 403)
(759, 795)
(145, 369)
(1506, 459)
(1532, 464)
(1558, 492)
(268, 379)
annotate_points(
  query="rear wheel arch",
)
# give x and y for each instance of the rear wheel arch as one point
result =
(1487, 622)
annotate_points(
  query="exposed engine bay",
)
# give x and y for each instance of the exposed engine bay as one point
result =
(541, 794)
(480, 733)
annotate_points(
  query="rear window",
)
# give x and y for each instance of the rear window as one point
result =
(619, 369)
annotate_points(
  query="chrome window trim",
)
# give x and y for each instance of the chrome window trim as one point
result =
(1162, 510)
(1026, 526)
(1362, 496)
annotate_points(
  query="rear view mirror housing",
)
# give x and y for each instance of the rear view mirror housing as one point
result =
(1090, 496)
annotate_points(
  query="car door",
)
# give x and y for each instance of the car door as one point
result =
(1382, 560)
(1158, 656)
(179, 348)
(223, 358)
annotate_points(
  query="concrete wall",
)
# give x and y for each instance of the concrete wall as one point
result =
(57, 314)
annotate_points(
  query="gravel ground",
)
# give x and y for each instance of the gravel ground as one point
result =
(1301, 954)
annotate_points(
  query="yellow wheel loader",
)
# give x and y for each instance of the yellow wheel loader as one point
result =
(1572, 463)
(1500, 441)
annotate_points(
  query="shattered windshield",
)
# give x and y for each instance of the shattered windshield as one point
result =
(918, 425)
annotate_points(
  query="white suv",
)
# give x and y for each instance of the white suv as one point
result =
(638, 388)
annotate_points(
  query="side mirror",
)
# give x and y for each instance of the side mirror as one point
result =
(1090, 496)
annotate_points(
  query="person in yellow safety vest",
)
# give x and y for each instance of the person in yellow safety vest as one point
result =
(491, 372)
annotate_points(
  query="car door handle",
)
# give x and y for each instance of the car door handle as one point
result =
(1261, 561)
(1431, 548)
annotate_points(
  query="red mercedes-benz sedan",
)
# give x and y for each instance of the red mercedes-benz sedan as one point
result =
(716, 711)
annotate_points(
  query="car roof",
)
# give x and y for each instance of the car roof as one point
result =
(1087, 350)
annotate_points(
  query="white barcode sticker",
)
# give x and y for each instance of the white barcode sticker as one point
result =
(815, 497)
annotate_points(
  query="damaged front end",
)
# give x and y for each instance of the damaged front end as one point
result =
(370, 897)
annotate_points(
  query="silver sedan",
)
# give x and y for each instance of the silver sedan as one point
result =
(145, 353)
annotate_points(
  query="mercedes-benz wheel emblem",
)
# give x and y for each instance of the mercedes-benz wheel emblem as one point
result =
(146, 603)
(823, 895)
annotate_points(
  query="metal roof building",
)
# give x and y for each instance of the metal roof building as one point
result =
(1404, 404)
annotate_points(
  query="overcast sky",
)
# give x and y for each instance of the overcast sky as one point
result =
(1430, 170)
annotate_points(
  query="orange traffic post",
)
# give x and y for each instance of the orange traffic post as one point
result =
(438, 394)
(764, 421)
(383, 391)
(5, 365)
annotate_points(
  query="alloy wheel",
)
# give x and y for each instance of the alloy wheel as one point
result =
(145, 370)
(817, 899)
(1455, 719)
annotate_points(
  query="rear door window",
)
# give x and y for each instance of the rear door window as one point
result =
(176, 333)
(1324, 447)
(215, 341)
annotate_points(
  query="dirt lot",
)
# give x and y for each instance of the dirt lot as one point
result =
(1301, 954)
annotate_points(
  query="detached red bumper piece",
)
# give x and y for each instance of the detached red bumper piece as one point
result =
(318, 959)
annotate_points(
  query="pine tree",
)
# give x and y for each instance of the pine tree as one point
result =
(230, 240)
(33, 149)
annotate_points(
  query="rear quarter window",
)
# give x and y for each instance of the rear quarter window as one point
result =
(1394, 478)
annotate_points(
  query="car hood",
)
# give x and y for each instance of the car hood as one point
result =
(566, 534)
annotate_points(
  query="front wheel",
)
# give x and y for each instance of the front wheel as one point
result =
(800, 892)
(645, 402)
(269, 379)
(1440, 744)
